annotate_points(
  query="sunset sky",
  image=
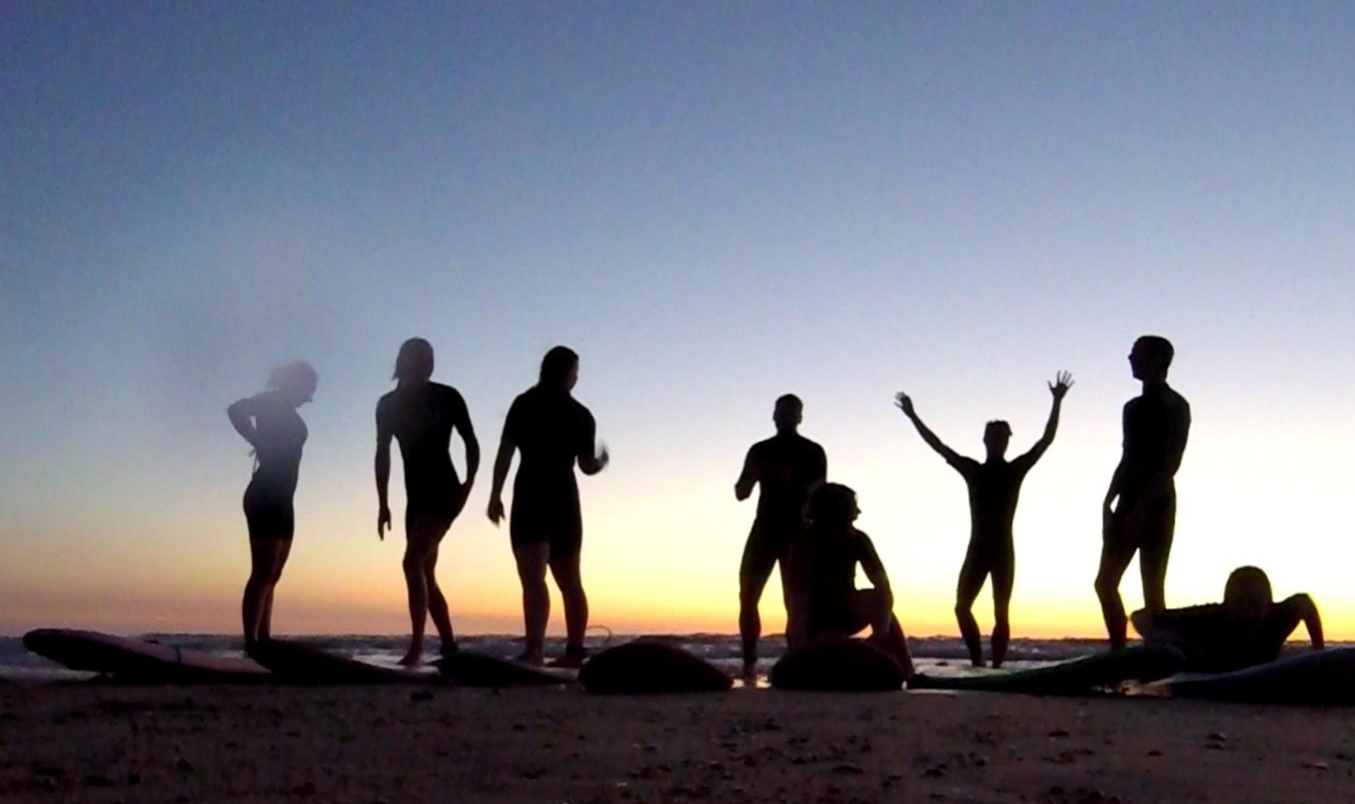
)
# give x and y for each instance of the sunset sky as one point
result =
(714, 203)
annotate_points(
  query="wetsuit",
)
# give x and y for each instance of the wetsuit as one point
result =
(786, 468)
(1215, 642)
(552, 430)
(268, 497)
(1156, 426)
(422, 419)
(824, 567)
(994, 488)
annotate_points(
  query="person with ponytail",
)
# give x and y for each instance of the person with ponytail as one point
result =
(421, 415)
(552, 430)
(270, 423)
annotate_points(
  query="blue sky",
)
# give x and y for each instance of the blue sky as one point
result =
(714, 203)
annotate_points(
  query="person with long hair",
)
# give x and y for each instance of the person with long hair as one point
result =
(823, 600)
(422, 415)
(553, 431)
(270, 423)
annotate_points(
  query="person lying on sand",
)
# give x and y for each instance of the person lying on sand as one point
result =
(1246, 629)
(822, 599)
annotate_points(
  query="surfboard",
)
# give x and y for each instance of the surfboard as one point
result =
(648, 667)
(838, 665)
(1312, 677)
(138, 660)
(298, 663)
(470, 669)
(1081, 676)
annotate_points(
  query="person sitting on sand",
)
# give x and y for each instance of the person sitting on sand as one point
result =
(270, 423)
(823, 601)
(1247, 628)
(994, 487)
(421, 415)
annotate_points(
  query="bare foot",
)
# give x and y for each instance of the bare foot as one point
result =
(414, 658)
(533, 658)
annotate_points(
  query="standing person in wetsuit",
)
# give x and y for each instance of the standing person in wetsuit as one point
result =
(821, 595)
(270, 423)
(552, 430)
(1156, 425)
(786, 466)
(994, 487)
(421, 415)
(1246, 629)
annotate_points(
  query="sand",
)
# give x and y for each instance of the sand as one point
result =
(392, 744)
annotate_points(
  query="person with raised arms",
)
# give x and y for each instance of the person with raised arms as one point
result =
(422, 415)
(552, 430)
(994, 488)
(270, 423)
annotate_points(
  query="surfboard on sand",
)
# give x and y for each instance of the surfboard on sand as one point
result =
(138, 660)
(298, 663)
(470, 669)
(649, 666)
(1083, 676)
(838, 665)
(1313, 677)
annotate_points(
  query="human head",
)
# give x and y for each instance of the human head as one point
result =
(295, 381)
(1150, 358)
(832, 505)
(559, 369)
(1247, 595)
(414, 363)
(788, 413)
(996, 435)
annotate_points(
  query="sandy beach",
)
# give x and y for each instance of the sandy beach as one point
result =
(392, 744)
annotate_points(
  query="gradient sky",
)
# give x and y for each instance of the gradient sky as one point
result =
(714, 203)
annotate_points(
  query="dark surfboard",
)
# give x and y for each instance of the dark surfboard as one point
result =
(649, 667)
(139, 661)
(1324, 677)
(1083, 676)
(299, 663)
(838, 665)
(470, 669)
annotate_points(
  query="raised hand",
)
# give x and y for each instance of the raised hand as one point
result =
(1062, 382)
(904, 403)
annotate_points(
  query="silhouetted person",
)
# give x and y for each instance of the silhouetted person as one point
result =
(786, 466)
(1247, 628)
(994, 487)
(421, 415)
(270, 423)
(822, 598)
(552, 430)
(1156, 425)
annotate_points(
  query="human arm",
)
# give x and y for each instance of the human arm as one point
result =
(743, 487)
(905, 404)
(1305, 610)
(1178, 432)
(1058, 389)
(875, 573)
(382, 467)
(242, 413)
(502, 462)
(467, 429)
(593, 457)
